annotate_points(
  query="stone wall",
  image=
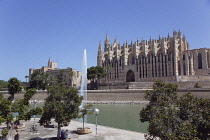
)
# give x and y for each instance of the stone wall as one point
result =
(113, 86)
(113, 95)
(149, 85)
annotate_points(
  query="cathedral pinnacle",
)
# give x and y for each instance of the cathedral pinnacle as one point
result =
(107, 38)
(100, 46)
(115, 40)
(168, 35)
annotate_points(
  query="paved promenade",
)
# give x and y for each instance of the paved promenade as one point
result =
(104, 133)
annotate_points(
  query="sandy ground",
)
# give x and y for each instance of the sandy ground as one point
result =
(104, 133)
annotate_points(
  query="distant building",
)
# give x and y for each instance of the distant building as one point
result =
(166, 59)
(72, 76)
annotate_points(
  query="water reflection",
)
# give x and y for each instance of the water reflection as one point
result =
(123, 116)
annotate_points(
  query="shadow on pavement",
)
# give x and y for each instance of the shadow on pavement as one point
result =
(38, 138)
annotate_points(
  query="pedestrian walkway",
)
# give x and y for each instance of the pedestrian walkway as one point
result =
(104, 133)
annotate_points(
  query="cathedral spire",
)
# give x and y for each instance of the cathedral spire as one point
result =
(115, 40)
(106, 43)
(179, 33)
(99, 57)
(107, 38)
(100, 46)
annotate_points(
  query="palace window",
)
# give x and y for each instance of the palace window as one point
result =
(200, 61)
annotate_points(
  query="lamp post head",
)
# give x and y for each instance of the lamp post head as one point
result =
(35, 101)
(96, 111)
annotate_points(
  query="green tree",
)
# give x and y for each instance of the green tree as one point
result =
(21, 106)
(196, 111)
(62, 104)
(86, 110)
(5, 110)
(174, 118)
(96, 73)
(40, 80)
(14, 86)
(8, 108)
(3, 84)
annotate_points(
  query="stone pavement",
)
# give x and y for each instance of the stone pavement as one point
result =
(104, 133)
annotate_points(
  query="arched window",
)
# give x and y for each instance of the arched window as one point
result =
(133, 60)
(200, 61)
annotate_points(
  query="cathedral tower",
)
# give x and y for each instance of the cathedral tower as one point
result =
(100, 55)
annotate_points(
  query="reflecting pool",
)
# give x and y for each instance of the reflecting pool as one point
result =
(123, 116)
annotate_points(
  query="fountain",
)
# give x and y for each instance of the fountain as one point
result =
(83, 88)
(83, 92)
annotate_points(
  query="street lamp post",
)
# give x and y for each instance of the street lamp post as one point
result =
(96, 112)
(35, 101)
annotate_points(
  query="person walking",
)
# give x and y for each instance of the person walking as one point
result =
(16, 137)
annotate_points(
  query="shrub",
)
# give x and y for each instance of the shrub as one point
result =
(4, 132)
(197, 85)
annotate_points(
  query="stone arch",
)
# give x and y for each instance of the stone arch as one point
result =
(130, 76)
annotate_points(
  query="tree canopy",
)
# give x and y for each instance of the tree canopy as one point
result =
(40, 80)
(8, 108)
(14, 86)
(62, 104)
(95, 73)
(3, 84)
(172, 118)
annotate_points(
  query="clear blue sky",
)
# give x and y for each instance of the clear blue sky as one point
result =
(31, 31)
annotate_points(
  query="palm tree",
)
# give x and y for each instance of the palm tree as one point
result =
(26, 78)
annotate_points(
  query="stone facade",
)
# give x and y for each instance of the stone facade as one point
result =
(72, 76)
(166, 59)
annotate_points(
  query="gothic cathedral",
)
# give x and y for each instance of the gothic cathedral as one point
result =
(166, 59)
